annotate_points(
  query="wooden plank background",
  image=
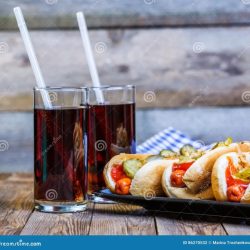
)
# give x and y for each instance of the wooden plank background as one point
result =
(126, 13)
(187, 53)
(170, 67)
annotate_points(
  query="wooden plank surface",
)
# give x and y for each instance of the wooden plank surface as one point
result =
(170, 67)
(126, 13)
(16, 203)
(58, 224)
(237, 229)
(121, 219)
(17, 217)
(172, 225)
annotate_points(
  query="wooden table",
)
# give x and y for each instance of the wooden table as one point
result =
(17, 217)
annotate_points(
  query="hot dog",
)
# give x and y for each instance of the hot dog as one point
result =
(173, 182)
(136, 174)
(231, 177)
(200, 171)
(192, 178)
(174, 186)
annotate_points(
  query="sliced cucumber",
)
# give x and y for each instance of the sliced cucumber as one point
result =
(227, 142)
(187, 150)
(167, 153)
(131, 166)
(153, 158)
(216, 145)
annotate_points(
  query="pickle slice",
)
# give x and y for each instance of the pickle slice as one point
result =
(227, 142)
(244, 174)
(187, 150)
(153, 158)
(167, 153)
(131, 166)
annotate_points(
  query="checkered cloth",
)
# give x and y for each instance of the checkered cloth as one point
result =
(169, 138)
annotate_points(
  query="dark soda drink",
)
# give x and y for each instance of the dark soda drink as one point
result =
(60, 167)
(111, 131)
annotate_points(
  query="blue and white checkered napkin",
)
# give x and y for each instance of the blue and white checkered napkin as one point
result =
(169, 138)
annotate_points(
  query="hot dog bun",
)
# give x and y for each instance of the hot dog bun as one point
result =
(147, 181)
(219, 183)
(182, 193)
(118, 159)
(199, 174)
(218, 177)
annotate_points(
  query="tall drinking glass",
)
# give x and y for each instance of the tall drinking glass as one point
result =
(60, 165)
(111, 130)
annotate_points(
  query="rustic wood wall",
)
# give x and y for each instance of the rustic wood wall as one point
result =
(178, 53)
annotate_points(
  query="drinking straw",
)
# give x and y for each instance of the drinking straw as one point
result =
(32, 56)
(90, 58)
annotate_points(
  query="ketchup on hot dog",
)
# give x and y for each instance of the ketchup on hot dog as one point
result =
(178, 171)
(121, 179)
(117, 172)
(235, 187)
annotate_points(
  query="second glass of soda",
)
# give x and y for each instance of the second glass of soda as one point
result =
(111, 130)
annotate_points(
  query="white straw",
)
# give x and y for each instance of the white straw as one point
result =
(90, 58)
(32, 56)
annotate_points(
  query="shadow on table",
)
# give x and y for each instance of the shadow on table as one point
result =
(201, 217)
